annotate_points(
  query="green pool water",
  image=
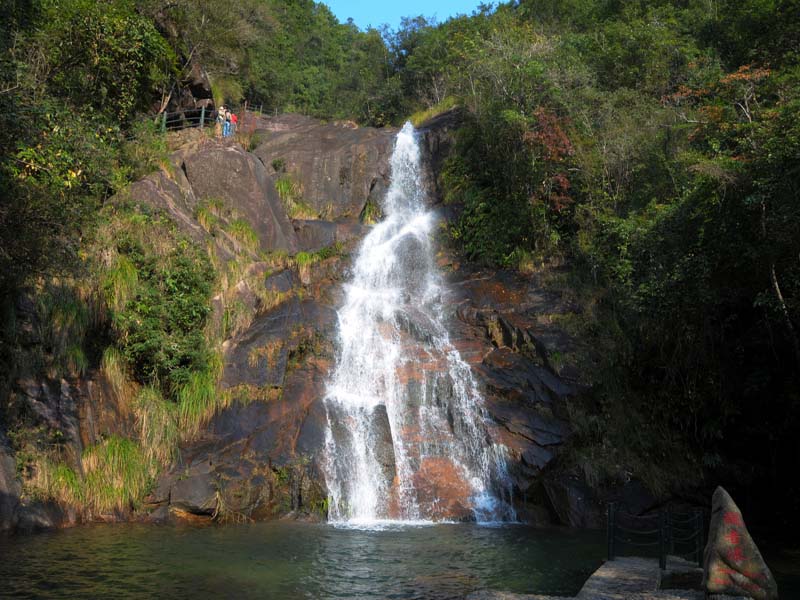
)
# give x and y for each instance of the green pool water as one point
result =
(296, 560)
(288, 560)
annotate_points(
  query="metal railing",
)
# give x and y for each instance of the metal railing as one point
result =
(200, 117)
(673, 533)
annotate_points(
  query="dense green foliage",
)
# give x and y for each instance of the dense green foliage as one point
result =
(157, 286)
(654, 146)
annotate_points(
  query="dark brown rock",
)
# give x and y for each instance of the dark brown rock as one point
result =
(314, 235)
(438, 136)
(574, 502)
(732, 562)
(383, 445)
(160, 516)
(195, 489)
(240, 180)
(102, 412)
(10, 488)
(338, 168)
(258, 356)
(40, 516)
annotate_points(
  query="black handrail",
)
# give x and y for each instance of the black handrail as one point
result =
(673, 528)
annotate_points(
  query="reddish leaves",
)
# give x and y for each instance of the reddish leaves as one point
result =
(551, 143)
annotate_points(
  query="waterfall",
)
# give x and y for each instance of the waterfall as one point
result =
(406, 437)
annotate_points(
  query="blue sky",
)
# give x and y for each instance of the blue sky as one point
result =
(376, 13)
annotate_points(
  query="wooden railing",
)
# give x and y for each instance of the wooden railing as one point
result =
(673, 533)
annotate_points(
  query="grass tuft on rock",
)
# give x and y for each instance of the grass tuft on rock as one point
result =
(120, 282)
(63, 320)
(157, 421)
(244, 234)
(54, 480)
(419, 117)
(117, 475)
(291, 194)
(197, 403)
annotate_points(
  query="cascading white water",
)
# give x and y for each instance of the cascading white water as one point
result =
(406, 436)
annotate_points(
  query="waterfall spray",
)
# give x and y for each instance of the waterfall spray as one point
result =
(406, 436)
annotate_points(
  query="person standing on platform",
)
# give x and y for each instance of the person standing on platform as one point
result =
(218, 127)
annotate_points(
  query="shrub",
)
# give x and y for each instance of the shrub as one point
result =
(158, 286)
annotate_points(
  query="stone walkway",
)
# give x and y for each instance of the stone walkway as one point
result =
(625, 578)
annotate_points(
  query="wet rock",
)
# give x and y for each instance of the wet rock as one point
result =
(160, 494)
(160, 516)
(415, 323)
(10, 488)
(347, 231)
(534, 514)
(38, 516)
(258, 356)
(573, 502)
(382, 443)
(297, 418)
(536, 456)
(442, 491)
(438, 139)
(732, 562)
(195, 490)
(265, 448)
(515, 375)
(497, 321)
(411, 264)
(311, 438)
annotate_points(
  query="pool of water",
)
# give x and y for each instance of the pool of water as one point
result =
(296, 560)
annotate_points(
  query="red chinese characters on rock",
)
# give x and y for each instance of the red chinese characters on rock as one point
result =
(733, 564)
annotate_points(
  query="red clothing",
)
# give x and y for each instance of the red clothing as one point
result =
(234, 119)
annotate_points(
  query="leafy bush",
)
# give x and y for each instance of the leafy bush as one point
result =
(158, 286)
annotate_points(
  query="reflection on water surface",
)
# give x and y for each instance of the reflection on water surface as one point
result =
(294, 560)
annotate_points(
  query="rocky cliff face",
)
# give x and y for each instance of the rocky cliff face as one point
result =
(259, 457)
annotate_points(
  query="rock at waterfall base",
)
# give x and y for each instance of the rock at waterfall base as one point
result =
(732, 563)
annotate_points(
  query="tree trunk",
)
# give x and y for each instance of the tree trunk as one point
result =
(776, 290)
